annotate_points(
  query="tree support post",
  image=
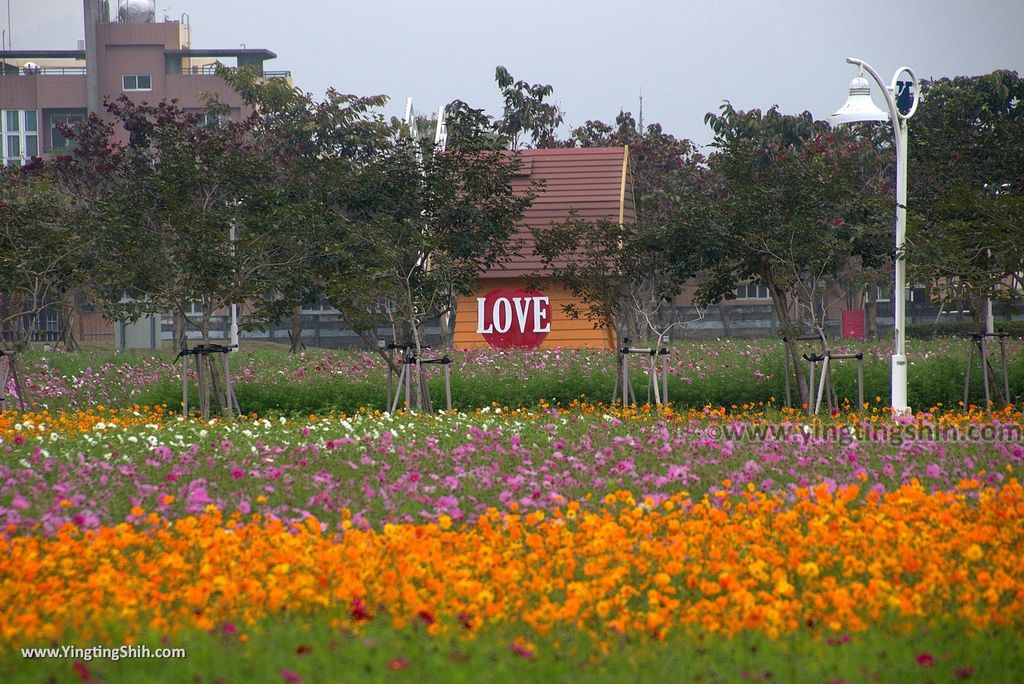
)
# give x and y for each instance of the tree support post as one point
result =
(208, 389)
(7, 371)
(978, 344)
(795, 366)
(657, 385)
(405, 381)
(825, 385)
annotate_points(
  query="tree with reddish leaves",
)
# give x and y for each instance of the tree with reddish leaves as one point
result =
(164, 203)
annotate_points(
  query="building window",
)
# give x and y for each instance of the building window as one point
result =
(752, 291)
(58, 141)
(136, 82)
(19, 137)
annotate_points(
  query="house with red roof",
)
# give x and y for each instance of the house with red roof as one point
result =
(591, 183)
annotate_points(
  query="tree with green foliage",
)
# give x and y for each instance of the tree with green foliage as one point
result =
(783, 189)
(628, 273)
(401, 228)
(316, 150)
(425, 224)
(967, 189)
(41, 251)
(526, 111)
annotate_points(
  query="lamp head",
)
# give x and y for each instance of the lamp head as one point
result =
(859, 105)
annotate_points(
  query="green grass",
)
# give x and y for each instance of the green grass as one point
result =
(718, 373)
(313, 652)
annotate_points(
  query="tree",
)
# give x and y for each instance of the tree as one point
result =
(783, 189)
(179, 188)
(426, 223)
(526, 111)
(967, 189)
(628, 272)
(41, 253)
(314, 149)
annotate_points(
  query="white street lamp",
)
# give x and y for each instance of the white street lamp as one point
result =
(860, 107)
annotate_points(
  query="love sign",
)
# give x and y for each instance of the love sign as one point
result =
(510, 318)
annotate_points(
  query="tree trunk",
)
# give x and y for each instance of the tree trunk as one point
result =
(297, 344)
(977, 314)
(178, 336)
(723, 315)
(871, 313)
(66, 323)
(419, 401)
(790, 332)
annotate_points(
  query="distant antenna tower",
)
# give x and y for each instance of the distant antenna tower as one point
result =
(641, 122)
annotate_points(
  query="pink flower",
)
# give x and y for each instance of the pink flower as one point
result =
(359, 611)
(398, 663)
(291, 677)
(925, 659)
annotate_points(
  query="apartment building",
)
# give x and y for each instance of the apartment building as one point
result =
(127, 51)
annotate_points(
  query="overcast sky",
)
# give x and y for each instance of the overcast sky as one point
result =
(685, 56)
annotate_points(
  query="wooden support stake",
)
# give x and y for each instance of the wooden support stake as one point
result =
(810, 390)
(184, 387)
(967, 376)
(229, 394)
(822, 384)
(860, 382)
(984, 371)
(785, 365)
(664, 379)
(408, 385)
(448, 386)
(1006, 375)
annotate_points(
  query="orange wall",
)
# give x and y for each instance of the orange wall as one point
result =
(565, 332)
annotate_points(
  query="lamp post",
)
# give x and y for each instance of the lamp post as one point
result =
(859, 107)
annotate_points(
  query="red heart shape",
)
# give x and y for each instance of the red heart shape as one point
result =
(514, 318)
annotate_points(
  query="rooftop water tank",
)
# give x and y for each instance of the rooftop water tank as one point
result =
(136, 11)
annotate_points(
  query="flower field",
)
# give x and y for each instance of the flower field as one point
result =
(546, 544)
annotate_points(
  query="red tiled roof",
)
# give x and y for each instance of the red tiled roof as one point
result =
(593, 181)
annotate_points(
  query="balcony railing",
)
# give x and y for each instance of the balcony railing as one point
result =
(45, 71)
(207, 70)
(210, 69)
